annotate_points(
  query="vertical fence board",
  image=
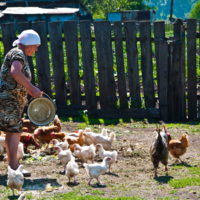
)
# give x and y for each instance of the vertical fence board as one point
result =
(88, 64)
(191, 61)
(58, 61)
(163, 85)
(182, 66)
(71, 45)
(176, 73)
(120, 65)
(42, 59)
(21, 27)
(146, 64)
(132, 59)
(9, 35)
(105, 63)
(159, 34)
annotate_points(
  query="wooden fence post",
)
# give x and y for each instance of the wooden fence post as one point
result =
(42, 59)
(105, 64)
(22, 26)
(191, 63)
(71, 45)
(58, 61)
(9, 35)
(88, 64)
(120, 65)
(132, 57)
(163, 84)
(159, 34)
(146, 64)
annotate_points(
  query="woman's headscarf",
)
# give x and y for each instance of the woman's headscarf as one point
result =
(27, 37)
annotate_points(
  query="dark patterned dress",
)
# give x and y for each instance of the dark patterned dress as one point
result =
(13, 96)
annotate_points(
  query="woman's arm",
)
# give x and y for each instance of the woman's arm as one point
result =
(19, 77)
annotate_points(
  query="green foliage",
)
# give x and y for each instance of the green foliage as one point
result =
(100, 9)
(194, 13)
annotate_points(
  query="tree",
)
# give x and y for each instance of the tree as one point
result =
(194, 13)
(100, 8)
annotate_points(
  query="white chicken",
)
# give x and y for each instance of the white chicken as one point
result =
(103, 154)
(15, 179)
(64, 155)
(64, 145)
(104, 132)
(100, 139)
(72, 170)
(2, 141)
(95, 170)
(20, 152)
(86, 152)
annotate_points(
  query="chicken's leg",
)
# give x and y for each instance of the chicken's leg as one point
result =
(89, 181)
(166, 169)
(99, 182)
(109, 168)
(182, 161)
(75, 180)
(13, 192)
(155, 172)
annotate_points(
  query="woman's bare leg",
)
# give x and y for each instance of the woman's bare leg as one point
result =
(11, 142)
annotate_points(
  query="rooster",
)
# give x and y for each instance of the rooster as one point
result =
(177, 147)
(159, 151)
(28, 140)
(44, 134)
(95, 170)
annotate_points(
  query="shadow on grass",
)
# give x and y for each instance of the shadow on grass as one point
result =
(13, 197)
(181, 165)
(3, 180)
(98, 186)
(163, 179)
(112, 174)
(39, 184)
(71, 184)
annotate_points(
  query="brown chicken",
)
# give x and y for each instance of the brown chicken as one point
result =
(27, 139)
(70, 139)
(159, 151)
(177, 147)
(43, 134)
(26, 123)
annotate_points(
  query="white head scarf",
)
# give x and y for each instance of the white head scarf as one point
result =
(27, 37)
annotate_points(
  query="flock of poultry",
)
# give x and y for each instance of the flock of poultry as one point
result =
(84, 145)
(81, 144)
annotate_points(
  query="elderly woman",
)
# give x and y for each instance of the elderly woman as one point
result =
(15, 84)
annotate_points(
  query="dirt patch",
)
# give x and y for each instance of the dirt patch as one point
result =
(131, 175)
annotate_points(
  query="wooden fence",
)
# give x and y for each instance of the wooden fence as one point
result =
(170, 66)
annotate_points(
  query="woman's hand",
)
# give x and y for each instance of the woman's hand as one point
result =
(35, 92)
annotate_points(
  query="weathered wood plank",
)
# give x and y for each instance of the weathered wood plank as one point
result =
(120, 65)
(191, 70)
(159, 34)
(71, 45)
(132, 58)
(88, 64)
(163, 84)
(127, 113)
(58, 61)
(22, 26)
(105, 64)
(42, 59)
(182, 66)
(8, 36)
(146, 64)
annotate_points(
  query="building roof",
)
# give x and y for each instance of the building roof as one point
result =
(38, 10)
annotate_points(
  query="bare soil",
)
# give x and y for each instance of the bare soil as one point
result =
(131, 175)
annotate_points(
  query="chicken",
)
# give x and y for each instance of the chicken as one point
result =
(28, 140)
(26, 123)
(64, 156)
(15, 179)
(1, 150)
(159, 151)
(104, 132)
(177, 147)
(70, 139)
(72, 170)
(100, 139)
(103, 154)
(44, 134)
(86, 152)
(95, 170)
(20, 153)
(2, 141)
(64, 145)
